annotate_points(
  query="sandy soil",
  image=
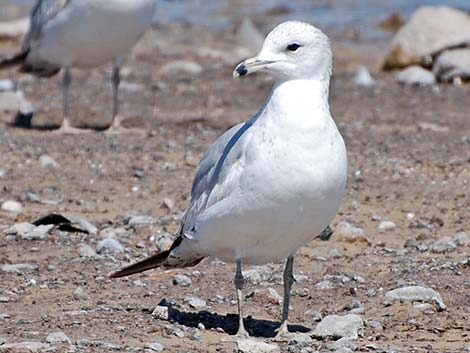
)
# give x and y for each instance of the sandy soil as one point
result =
(407, 167)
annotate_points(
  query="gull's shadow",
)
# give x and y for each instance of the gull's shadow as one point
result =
(229, 323)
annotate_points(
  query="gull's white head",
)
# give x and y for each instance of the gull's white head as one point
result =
(293, 50)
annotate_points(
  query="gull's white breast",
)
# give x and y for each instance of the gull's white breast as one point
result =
(88, 33)
(284, 189)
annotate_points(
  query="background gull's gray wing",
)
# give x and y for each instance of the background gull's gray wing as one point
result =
(42, 12)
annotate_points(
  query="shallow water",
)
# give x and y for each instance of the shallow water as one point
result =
(329, 14)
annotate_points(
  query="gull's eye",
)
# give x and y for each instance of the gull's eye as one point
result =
(293, 47)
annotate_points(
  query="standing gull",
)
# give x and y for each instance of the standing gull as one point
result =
(271, 184)
(82, 34)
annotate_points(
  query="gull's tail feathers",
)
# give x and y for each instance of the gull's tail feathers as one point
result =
(166, 259)
(154, 261)
(15, 60)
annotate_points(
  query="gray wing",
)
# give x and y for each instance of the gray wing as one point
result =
(42, 12)
(209, 161)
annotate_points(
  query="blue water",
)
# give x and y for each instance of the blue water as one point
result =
(328, 14)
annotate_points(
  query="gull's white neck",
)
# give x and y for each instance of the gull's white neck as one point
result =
(303, 100)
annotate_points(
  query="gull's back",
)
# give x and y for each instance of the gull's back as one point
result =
(83, 33)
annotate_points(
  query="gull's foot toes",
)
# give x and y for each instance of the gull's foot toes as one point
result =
(283, 334)
(70, 130)
(242, 334)
(121, 130)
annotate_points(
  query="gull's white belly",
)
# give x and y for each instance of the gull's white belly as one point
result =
(89, 33)
(282, 198)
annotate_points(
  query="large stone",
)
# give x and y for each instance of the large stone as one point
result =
(12, 206)
(14, 29)
(430, 30)
(452, 65)
(416, 293)
(18, 268)
(57, 338)
(254, 346)
(23, 347)
(416, 76)
(336, 326)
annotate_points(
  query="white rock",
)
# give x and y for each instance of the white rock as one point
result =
(336, 326)
(12, 206)
(47, 161)
(28, 231)
(254, 346)
(15, 28)
(314, 315)
(258, 274)
(87, 252)
(57, 338)
(33, 347)
(416, 76)
(154, 347)
(181, 66)
(141, 220)
(79, 294)
(195, 303)
(7, 85)
(343, 343)
(445, 244)
(349, 233)
(387, 225)
(363, 77)
(161, 312)
(164, 240)
(429, 30)
(267, 296)
(19, 229)
(17, 267)
(453, 64)
(182, 280)
(423, 306)
(109, 245)
(416, 293)
(462, 239)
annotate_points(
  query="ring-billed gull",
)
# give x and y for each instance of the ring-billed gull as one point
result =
(271, 184)
(82, 34)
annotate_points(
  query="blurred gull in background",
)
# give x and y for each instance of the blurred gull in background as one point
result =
(83, 34)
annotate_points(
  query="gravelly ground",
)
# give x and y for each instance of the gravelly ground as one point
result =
(407, 168)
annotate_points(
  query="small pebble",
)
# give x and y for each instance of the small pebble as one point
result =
(387, 225)
(12, 206)
(154, 346)
(57, 338)
(182, 280)
(47, 161)
(109, 245)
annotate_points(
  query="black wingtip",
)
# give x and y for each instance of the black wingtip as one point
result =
(141, 266)
(15, 60)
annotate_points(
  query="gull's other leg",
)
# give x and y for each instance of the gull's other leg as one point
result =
(66, 127)
(282, 331)
(116, 126)
(239, 282)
